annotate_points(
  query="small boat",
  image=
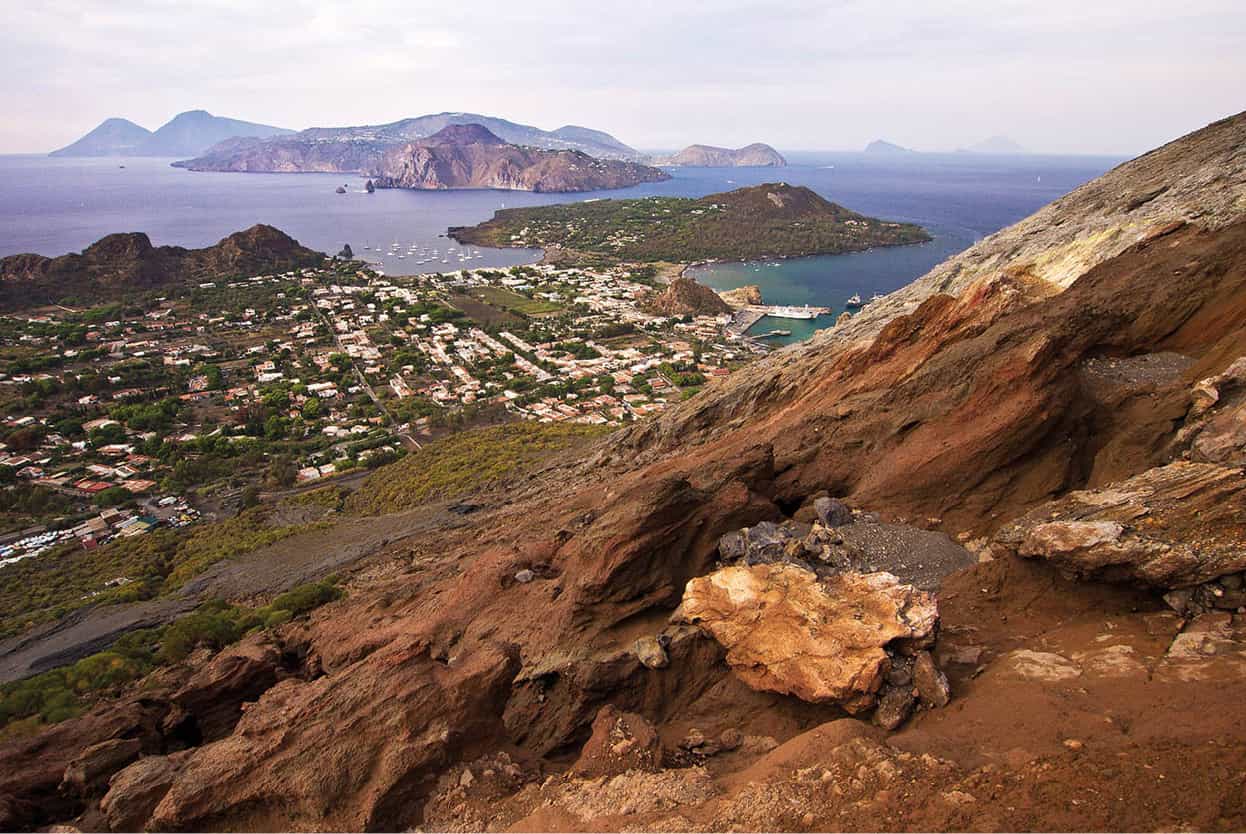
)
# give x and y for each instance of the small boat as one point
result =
(875, 297)
(854, 301)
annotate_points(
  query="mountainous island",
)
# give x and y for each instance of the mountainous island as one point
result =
(466, 155)
(971, 560)
(186, 134)
(708, 156)
(999, 145)
(120, 264)
(771, 220)
(881, 146)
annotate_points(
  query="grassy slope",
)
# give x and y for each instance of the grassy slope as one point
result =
(464, 462)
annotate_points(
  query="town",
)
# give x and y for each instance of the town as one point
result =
(125, 417)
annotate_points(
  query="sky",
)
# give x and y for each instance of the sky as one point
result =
(1058, 76)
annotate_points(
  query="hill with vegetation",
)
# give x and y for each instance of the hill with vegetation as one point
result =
(123, 263)
(762, 221)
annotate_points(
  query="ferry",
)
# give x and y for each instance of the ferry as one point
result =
(855, 301)
(790, 312)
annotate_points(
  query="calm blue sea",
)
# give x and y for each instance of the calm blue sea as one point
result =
(53, 206)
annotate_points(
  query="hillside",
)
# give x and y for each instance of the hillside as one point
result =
(124, 263)
(186, 134)
(459, 155)
(708, 156)
(774, 220)
(972, 562)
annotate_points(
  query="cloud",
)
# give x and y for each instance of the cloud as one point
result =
(1111, 76)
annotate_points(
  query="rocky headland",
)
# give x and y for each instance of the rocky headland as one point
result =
(457, 156)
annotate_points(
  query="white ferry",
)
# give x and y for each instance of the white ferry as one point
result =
(790, 312)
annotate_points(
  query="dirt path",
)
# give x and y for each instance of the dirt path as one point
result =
(304, 557)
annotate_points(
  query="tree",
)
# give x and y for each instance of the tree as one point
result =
(250, 497)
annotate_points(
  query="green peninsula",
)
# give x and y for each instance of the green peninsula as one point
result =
(773, 220)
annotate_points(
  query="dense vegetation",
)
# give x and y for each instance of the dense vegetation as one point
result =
(63, 693)
(460, 463)
(773, 220)
(128, 569)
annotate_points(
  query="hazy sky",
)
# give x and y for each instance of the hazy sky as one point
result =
(1110, 76)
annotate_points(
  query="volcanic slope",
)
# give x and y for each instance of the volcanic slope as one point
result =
(1087, 357)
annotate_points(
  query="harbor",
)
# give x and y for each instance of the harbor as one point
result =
(745, 317)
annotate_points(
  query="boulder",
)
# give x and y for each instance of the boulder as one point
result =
(931, 683)
(1173, 526)
(620, 741)
(89, 772)
(894, 707)
(651, 652)
(821, 641)
(134, 792)
(832, 512)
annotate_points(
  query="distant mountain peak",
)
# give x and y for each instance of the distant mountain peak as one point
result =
(463, 134)
(189, 133)
(883, 146)
(758, 154)
(996, 145)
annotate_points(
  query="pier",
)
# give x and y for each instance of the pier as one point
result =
(746, 317)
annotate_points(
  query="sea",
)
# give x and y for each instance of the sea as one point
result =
(56, 205)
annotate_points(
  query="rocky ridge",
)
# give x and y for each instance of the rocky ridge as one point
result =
(122, 263)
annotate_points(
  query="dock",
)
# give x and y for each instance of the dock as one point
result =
(746, 317)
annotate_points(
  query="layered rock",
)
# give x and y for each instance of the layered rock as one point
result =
(417, 717)
(1169, 527)
(824, 642)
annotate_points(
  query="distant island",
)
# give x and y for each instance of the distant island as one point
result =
(456, 156)
(757, 154)
(770, 220)
(883, 146)
(1000, 145)
(186, 134)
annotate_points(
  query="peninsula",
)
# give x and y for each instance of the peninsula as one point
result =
(762, 221)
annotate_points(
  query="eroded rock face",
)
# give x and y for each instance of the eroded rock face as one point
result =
(1170, 527)
(377, 746)
(134, 792)
(824, 642)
